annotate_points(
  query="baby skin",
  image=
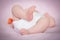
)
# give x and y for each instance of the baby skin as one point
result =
(42, 24)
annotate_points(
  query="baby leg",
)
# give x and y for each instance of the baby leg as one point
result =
(29, 13)
(41, 25)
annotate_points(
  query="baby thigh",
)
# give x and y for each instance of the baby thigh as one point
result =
(41, 25)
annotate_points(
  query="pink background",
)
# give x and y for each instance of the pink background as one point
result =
(50, 6)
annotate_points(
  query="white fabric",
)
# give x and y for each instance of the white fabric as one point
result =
(26, 24)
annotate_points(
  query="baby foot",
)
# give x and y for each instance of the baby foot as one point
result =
(52, 20)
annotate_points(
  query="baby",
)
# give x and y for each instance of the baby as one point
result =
(29, 21)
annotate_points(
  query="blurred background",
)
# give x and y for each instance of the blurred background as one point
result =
(50, 6)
